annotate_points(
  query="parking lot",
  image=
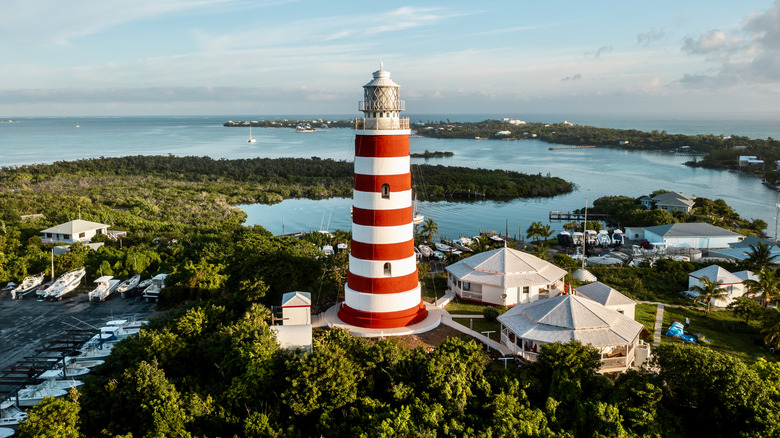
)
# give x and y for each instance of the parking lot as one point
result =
(25, 325)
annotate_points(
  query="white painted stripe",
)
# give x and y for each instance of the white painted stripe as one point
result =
(375, 201)
(383, 166)
(383, 132)
(376, 268)
(396, 234)
(382, 302)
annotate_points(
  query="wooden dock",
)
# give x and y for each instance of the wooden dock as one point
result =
(575, 216)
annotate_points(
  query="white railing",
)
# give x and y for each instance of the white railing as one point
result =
(381, 106)
(381, 124)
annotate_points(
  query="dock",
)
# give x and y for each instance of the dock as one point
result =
(552, 148)
(576, 216)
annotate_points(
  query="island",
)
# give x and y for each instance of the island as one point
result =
(434, 154)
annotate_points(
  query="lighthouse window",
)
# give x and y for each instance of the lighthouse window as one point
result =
(385, 191)
(387, 268)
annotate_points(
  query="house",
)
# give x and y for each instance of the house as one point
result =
(503, 133)
(685, 235)
(669, 201)
(296, 329)
(74, 231)
(609, 298)
(739, 251)
(504, 277)
(750, 161)
(732, 283)
(525, 327)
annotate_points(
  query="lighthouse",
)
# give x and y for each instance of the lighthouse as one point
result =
(382, 289)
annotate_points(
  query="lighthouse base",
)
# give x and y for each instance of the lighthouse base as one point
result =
(430, 319)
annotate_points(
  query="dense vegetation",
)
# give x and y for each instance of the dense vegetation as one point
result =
(721, 152)
(215, 370)
(434, 154)
(625, 211)
(290, 123)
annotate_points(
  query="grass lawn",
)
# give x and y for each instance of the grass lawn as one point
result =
(727, 333)
(480, 325)
(645, 314)
(458, 307)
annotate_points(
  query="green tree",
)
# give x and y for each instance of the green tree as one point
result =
(766, 288)
(708, 291)
(760, 257)
(533, 231)
(744, 307)
(52, 417)
(430, 229)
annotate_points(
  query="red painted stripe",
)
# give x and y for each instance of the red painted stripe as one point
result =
(401, 318)
(383, 285)
(382, 145)
(382, 218)
(373, 183)
(383, 251)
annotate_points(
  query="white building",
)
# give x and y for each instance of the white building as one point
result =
(732, 283)
(74, 231)
(504, 277)
(609, 298)
(750, 161)
(564, 318)
(686, 235)
(296, 329)
(670, 201)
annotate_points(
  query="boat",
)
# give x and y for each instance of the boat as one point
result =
(66, 283)
(143, 284)
(6, 432)
(41, 292)
(128, 285)
(341, 247)
(425, 250)
(64, 374)
(417, 253)
(439, 255)
(86, 363)
(8, 287)
(577, 238)
(29, 284)
(94, 350)
(496, 238)
(153, 291)
(251, 139)
(10, 414)
(564, 238)
(327, 250)
(617, 237)
(304, 128)
(443, 247)
(417, 217)
(31, 395)
(105, 286)
(592, 237)
(603, 238)
(463, 244)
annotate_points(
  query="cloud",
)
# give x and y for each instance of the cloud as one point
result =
(650, 36)
(749, 55)
(599, 51)
(572, 78)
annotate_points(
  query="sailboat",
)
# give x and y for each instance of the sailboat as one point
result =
(251, 139)
(417, 217)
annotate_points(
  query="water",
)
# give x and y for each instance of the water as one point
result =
(596, 172)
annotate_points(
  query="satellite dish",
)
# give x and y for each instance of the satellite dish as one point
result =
(503, 296)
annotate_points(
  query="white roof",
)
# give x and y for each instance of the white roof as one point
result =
(104, 279)
(382, 79)
(714, 273)
(506, 267)
(296, 299)
(74, 227)
(603, 294)
(691, 229)
(583, 275)
(568, 317)
(746, 275)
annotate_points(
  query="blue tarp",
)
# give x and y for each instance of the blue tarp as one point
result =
(678, 331)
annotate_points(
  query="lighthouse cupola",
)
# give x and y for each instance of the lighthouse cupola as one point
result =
(381, 105)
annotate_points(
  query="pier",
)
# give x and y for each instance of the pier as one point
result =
(576, 216)
(552, 148)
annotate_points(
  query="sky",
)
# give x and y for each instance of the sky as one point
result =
(266, 57)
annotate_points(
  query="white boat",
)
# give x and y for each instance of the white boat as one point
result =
(439, 255)
(41, 292)
(341, 247)
(327, 250)
(603, 238)
(29, 284)
(10, 414)
(251, 139)
(142, 285)
(617, 237)
(592, 237)
(425, 250)
(417, 253)
(153, 291)
(66, 374)
(417, 217)
(6, 432)
(463, 244)
(66, 283)
(94, 351)
(576, 238)
(443, 247)
(33, 394)
(8, 287)
(495, 238)
(86, 363)
(128, 285)
(105, 286)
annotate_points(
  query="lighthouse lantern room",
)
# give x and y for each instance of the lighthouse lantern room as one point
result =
(382, 289)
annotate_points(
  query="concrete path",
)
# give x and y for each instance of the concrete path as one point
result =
(659, 318)
(446, 319)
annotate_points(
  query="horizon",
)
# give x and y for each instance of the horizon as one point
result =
(230, 57)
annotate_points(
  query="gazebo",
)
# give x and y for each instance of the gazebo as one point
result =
(525, 327)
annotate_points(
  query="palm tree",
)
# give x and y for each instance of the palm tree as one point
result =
(709, 291)
(533, 231)
(430, 229)
(760, 256)
(546, 232)
(767, 287)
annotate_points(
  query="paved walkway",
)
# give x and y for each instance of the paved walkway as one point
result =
(446, 319)
(659, 318)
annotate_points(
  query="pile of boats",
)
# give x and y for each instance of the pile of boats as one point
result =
(104, 286)
(62, 376)
(591, 238)
(459, 246)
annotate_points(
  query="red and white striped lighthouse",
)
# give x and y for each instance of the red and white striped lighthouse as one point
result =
(382, 289)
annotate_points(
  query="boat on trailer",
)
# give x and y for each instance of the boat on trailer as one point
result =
(66, 283)
(128, 285)
(105, 286)
(29, 284)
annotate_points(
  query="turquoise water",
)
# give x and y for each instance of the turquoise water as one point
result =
(596, 172)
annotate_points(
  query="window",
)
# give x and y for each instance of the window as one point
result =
(526, 289)
(385, 191)
(48, 235)
(82, 235)
(387, 268)
(66, 236)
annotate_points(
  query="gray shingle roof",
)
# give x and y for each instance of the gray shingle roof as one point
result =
(690, 230)
(715, 272)
(603, 294)
(506, 267)
(567, 317)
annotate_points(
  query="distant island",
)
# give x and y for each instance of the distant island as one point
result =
(434, 154)
(317, 123)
